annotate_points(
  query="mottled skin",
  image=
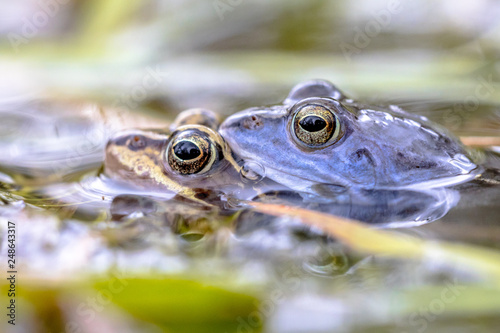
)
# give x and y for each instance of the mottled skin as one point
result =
(377, 147)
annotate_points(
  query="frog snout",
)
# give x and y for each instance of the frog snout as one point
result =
(243, 122)
(252, 122)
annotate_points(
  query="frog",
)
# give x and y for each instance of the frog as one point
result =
(195, 162)
(320, 141)
(189, 159)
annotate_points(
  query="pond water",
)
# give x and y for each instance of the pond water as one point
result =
(73, 218)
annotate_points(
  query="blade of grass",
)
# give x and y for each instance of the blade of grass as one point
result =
(103, 18)
(480, 141)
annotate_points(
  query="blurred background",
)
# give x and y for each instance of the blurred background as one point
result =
(74, 69)
(166, 56)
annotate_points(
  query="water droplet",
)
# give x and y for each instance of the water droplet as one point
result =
(252, 171)
(327, 262)
(461, 162)
(192, 237)
(233, 203)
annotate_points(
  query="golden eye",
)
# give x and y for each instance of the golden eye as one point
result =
(316, 125)
(191, 152)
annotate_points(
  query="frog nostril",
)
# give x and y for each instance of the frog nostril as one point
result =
(252, 122)
(137, 142)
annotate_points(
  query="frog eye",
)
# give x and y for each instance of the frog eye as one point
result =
(191, 152)
(315, 125)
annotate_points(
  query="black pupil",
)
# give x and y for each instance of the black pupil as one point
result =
(312, 123)
(186, 150)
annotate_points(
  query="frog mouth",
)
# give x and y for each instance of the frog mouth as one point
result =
(300, 184)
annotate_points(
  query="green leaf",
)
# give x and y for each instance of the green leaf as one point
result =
(185, 306)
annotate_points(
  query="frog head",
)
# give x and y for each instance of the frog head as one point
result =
(320, 138)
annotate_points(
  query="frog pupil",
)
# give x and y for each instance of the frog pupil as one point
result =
(186, 150)
(312, 123)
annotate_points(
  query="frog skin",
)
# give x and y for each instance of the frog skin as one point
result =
(319, 141)
(193, 160)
